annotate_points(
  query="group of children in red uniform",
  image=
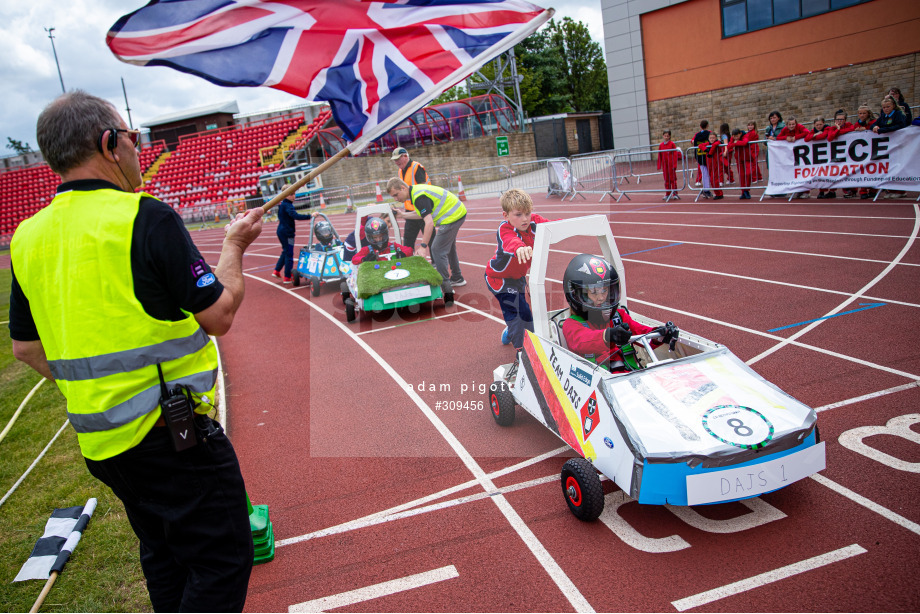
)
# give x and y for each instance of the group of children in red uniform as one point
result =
(714, 152)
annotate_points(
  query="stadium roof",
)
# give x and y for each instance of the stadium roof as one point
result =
(222, 107)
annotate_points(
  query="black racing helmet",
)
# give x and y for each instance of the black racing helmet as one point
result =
(323, 231)
(377, 233)
(588, 272)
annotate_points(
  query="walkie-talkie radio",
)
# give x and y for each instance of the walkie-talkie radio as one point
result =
(176, 406)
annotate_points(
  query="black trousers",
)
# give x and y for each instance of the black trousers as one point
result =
(413, 229)
(189, 512)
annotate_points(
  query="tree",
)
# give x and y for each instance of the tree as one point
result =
(563, 70)
(18, 146)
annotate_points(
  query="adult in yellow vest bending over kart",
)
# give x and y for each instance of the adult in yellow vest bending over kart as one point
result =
(442, 209)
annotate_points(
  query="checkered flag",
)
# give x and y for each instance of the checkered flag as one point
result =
(53, 548)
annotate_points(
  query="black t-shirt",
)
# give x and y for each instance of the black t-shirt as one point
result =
(165, 264)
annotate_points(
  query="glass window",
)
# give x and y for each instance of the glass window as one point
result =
(734, 20)
(760, 14)
(814, 7)
(740, 16)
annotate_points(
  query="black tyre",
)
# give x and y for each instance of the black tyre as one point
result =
(296, 278)
(501, 401)
(581, 487)
(314, 287)
(343, 288)
(350, 315)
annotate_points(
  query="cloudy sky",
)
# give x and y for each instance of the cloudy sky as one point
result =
(30, 77)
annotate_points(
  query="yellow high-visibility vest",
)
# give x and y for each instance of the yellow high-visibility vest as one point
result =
(73, 262)
(447, 206)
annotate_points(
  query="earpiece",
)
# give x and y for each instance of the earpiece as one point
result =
(110, 142)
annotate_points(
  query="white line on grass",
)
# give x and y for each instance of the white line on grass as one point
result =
(377, 590)
(32, 466)
(767, 578)
(552, 568)
(852, 297)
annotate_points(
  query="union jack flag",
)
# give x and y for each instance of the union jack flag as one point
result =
(375, 63)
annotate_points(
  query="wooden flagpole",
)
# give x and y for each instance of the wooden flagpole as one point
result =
(44, 593)
(291, 189)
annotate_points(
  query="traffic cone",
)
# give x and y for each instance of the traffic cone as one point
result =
(322, 201)
(461, 193)
(379, 195)
(349, 206)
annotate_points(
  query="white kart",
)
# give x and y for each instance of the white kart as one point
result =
(694, 425)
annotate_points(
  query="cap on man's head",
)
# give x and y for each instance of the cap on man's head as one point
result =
(399, 151)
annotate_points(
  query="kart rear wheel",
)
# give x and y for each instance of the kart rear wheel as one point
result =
(581, 487)
(502, 403)
(314, 287)
(296, 277)
(350, 315)
(343, 288)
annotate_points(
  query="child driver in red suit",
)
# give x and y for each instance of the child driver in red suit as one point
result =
(377, 233)
(597, 327)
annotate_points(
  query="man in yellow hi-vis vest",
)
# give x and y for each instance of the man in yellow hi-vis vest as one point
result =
(412, 173)
(441, 208)
(113, 302)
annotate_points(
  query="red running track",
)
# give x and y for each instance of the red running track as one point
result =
(369, 483)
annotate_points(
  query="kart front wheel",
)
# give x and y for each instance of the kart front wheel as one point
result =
(502, 403)
(582, 489)
(314, 287)
(296, 278)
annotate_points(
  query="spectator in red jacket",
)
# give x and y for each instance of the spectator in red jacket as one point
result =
(712, 153)
(753, 136)
(667, 164)
(739, 144)
(506, 271)
(865, 119)
(840, 126)
(819, 132)
(377, 232)
(792, 131)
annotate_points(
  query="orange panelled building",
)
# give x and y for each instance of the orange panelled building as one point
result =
(672, 63)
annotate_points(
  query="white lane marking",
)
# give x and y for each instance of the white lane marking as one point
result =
(725, 213)
(373, 518)
(767, 578)
(894, 517)
(552, 568)
(382, 518)
(221, 391)
(736, 276)
(848, 301)
(799, 344)
(441, 317)
(866, 397)
(377, 590)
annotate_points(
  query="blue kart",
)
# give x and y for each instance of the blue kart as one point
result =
(320, 263)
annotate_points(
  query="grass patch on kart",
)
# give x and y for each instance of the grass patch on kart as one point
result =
(372, 281)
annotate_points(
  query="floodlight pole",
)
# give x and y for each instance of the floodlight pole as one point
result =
(51, 36)
(127, 106)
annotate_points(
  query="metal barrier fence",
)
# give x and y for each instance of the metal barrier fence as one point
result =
(479, 181)
(594, 174)
(644, 162)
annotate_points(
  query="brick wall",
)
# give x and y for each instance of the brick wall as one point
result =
(442, 158)
(802, 96)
